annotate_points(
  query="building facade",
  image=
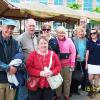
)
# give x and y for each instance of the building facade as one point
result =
(85, 4)
(88, 5)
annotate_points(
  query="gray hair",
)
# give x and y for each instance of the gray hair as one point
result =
(61, 28)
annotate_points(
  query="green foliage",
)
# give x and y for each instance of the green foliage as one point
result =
(74, 6)
(97, 10)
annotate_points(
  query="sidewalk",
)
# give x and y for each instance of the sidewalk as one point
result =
(84, 96)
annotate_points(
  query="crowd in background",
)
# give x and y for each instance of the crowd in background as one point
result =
(28, 57)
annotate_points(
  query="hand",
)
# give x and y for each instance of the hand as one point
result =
(71, 69)
(78, 56)
(86, 66)
(42, 73)
(48, 74)
(12, 70)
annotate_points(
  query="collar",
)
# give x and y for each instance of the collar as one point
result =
(64, 39)
(2, 39)
(29, 36)
(42, 53)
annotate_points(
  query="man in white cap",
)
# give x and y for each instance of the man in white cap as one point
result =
(28, 42)
(9, 50)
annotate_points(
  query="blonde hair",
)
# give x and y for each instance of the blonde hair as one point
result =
(81, 29)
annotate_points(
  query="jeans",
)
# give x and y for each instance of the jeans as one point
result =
(22, 93)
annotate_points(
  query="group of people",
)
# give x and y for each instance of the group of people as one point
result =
(68, 54)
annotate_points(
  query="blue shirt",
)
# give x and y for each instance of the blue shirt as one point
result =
(81, 49)
(80, 45)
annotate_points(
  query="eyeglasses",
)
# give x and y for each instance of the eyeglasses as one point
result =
(46, 29)
(93, 33)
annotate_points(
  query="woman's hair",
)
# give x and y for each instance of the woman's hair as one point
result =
(61, 28)
(45, 25)
(81, 29)
(42, 37)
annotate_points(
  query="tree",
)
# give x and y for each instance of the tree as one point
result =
(97, 10)
(74, 6)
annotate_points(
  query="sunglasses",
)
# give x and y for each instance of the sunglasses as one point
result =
(93, 33)
(46, 29)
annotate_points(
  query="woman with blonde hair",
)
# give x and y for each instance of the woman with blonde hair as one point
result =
(80, 44)
(67, 58)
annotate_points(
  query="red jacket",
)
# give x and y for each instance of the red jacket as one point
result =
(36, 63)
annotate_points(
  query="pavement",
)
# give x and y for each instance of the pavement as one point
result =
(84, 96)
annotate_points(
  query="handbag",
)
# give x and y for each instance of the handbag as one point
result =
(33, 83)
(56, 80)
(64, 55)
(78, 74)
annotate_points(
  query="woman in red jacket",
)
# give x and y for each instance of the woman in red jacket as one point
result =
(35, 65)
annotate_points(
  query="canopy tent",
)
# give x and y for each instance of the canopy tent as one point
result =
(37, 10)
(74, 14)
(7, 10)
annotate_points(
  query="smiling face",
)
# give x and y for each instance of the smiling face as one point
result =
(94, 34)
(60, 34)
(46, 30)
(80, 32)
(7, 31)
(43, 45)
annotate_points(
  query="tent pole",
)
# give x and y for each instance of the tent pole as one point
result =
(20, 26)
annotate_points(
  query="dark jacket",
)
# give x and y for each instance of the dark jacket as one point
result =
(53, 45)
(13, 52)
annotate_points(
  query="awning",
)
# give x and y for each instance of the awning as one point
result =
(76, 14)
(7, 10)
(37, 10)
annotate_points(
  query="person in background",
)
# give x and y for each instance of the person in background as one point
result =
(28, 42)
(36, 64)
(93, 61)
(46, 31)
(67, 58)
(80, 44)
(9, 50)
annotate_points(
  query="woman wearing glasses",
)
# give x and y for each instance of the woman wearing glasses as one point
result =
(93, 61)
(53, 44)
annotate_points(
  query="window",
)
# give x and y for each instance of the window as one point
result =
(26, 0)
(71, 1)
(98, 0)
(88, 5)
(15, 1)
(97, 3)
(44, 1)
(58, 2)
